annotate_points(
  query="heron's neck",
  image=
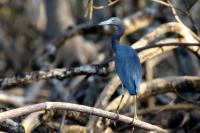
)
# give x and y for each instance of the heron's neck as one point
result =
(116, 36)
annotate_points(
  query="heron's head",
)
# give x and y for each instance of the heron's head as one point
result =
(112, 21)
(115, 21)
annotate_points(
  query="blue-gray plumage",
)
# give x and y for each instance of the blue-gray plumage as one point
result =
(128, 68)
(127, 63)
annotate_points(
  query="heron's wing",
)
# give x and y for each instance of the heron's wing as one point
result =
(128, 68)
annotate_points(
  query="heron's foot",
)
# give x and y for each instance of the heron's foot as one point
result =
(117, 112)
(135, 118)
(117, 117)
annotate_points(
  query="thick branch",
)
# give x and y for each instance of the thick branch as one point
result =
(169, 107)
(79, 108)
(13, 100)
(159, 86)
(169, 84)
(32, 121)
(54, 73)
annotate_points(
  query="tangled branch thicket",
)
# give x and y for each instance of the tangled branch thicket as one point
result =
(57, 69)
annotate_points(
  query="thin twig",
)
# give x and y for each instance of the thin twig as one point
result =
(109, 4)
(174, 12)
(140, 19)
(89, 10)
(181, 44)
(190, 16)
(168, 5)
(90, 7)
(178, 19)
(32, 121)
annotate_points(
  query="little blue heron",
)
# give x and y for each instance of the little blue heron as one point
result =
(127, 63)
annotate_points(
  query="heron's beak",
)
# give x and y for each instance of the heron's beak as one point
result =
(106, 22)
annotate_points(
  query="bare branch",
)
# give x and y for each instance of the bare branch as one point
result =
(174, 12)
(194, 26)
(169, 5)
(89, 9)
(79, 108)
(179, 44)
(173, 9)
(169, 84)
(53, 73)
(13, 100)
(32, 121)
(169, 107)
(91, 6)
(109, 4)
(159, 86)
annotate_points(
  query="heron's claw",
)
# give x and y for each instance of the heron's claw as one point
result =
(117, 112)
(135, 118)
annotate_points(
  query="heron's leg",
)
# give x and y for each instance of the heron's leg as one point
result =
(117, 110)
(135, 107)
